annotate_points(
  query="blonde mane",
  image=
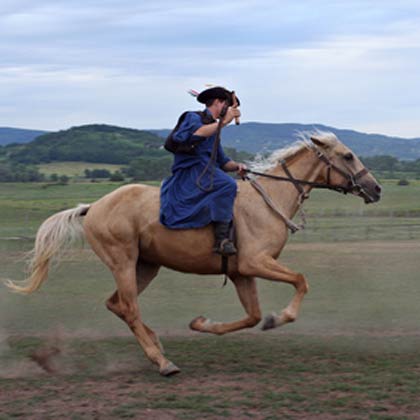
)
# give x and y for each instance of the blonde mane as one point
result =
(263, 163)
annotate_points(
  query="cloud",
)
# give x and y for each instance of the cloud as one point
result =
(127, 62)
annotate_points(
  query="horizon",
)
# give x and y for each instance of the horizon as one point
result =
(348, 64)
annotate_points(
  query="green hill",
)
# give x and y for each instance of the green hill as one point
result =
(89, 143)
(131, 153)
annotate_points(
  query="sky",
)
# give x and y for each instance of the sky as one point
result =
(348, 64)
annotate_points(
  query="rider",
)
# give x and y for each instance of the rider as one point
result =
(199, 192)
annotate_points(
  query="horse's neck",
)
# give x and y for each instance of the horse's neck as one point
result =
(304, 166)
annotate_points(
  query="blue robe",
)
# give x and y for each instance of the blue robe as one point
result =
(183, 204)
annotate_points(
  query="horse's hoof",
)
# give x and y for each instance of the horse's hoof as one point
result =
(199, 320)
(269, 322)
(170, 370)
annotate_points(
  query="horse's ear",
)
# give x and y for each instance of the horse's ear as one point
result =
(317, 141)
(324, 142)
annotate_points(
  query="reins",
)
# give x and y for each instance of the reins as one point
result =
(211, 165)
(289, 223)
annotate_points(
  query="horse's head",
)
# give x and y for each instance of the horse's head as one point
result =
(343, 169)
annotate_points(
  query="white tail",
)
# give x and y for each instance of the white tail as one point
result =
(54, 236)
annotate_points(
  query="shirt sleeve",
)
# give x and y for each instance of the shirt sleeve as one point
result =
(222, 159)
(188, 127)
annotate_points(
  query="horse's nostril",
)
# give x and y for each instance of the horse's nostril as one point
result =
(378, 189)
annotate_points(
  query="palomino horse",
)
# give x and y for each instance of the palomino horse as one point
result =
(123, 229)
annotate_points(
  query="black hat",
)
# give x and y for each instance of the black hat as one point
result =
(216, 92)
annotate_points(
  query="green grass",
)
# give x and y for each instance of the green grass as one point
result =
(75, 168)
(354, 287)
(331, 216)
(396, 201)
(24, 206)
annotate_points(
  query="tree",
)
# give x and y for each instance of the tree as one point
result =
(381, 163)
(97, 173)
(143, 169)
(117, 176)
(64, 179)
(12, 172)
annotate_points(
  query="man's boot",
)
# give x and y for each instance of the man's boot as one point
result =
(224, 245)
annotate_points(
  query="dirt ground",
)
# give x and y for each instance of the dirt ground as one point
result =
(243, 376)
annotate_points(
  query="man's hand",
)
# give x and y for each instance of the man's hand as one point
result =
(233, 166)
(231, 113)
(242, 170)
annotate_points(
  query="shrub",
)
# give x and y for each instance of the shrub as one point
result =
(117, 176)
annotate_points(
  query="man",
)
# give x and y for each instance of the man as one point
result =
(199, 192)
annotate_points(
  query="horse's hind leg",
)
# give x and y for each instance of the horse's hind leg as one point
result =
(120, 252)
(247, 291)
(128, 309)
(145, 273)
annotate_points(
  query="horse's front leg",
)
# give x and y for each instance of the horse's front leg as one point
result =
(248, 295)
(267, 267)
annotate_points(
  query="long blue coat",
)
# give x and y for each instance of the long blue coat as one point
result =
(183, 204)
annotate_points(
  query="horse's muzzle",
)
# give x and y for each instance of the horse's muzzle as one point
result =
(370, 192)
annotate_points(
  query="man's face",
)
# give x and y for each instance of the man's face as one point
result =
(219, 104)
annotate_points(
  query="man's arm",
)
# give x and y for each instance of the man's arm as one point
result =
(233, 166)
(208, 130)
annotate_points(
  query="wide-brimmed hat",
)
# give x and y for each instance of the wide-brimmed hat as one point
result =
(216, 92)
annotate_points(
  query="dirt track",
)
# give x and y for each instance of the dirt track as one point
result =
(243, 376)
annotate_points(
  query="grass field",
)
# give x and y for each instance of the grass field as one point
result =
(331, 216)
(75, 168)
(353, 352)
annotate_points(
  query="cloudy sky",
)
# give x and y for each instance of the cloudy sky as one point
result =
(349, 64)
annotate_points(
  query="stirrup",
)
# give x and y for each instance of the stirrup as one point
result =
(225, 248)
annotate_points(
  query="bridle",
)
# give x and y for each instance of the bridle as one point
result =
(352, 186)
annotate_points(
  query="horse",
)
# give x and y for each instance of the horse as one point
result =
(123, 229)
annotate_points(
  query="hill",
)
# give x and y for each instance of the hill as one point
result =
(255, 137)
(89, 143)
(117, 145)
(137, 154)
(17, 135)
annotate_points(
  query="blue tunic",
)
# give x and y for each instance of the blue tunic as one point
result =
(183, 204)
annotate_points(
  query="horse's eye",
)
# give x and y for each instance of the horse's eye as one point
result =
(348, 157)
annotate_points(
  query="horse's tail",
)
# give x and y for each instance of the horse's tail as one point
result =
(54, 236)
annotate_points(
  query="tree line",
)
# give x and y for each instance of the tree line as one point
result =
(159, 167)
(391, 165)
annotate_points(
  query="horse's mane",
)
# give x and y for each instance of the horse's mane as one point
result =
(262, 163)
